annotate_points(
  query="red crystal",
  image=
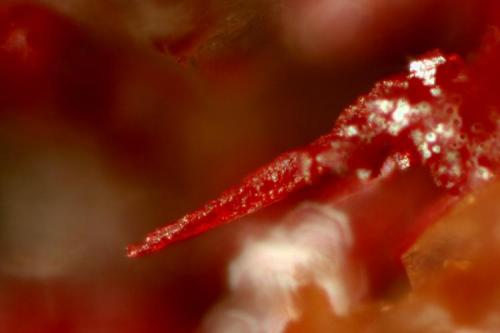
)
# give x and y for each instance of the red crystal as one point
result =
(441, 115)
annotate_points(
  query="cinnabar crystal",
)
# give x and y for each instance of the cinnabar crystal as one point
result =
(441, 115)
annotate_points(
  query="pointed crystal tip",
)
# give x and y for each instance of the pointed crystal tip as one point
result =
(145, 248)
(135, 251)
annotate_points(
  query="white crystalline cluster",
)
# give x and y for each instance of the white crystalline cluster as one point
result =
(426, 69)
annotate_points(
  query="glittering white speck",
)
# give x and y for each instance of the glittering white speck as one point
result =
(424, 150)
(384, 105)
(426, 69)
(484, 173)
(404, 162)
(430, 137)
(445, 131)
(436, 149)
(402, 111)
(436, 91)
(351, 130)
(306, 167)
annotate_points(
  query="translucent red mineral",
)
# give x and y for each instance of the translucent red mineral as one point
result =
(442, 115)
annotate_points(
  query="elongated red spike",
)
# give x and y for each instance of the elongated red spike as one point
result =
(271, 183)
(427, 117)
